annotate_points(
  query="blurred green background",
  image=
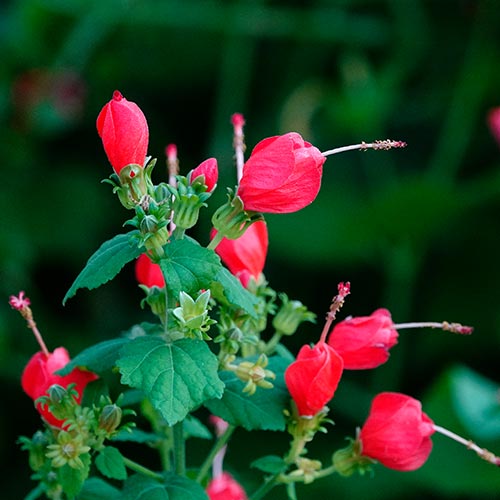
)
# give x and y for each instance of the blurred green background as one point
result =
(414, 230)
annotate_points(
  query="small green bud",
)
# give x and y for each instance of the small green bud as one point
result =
(110, 418)
(291, 314)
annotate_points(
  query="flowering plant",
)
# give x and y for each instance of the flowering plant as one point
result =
(216, 343)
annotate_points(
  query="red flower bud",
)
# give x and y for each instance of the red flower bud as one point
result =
(38, 376)
(148, 273)
(363, 342)
(397, 432)
(313, 377)
(209, 170)
(123, 129)
(282, 175)
(225, 487)
(245, 256)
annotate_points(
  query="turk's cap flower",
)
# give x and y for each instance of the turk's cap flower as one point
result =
(225, 487)
(245, 256)
(363, 342)
(148, 273)
(397, 433)
(123, 129)
(282, 175)
(207, 172)
(39, 375)
(313, 377)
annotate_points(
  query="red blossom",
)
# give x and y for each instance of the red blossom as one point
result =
(148, 273)
(208, 169)
(39, 375)
(282, 175)
(313, 377)
(225, 487)
(363, 342)
(123, 129)
(397, 433)
(245, 256)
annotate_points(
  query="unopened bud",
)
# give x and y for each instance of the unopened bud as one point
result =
(110, 418)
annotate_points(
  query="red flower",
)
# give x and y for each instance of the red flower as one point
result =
(494, 123)
(38, 376)
(148, 273)
(282, 175)
(123, 129)
(209, 170)
(364, 342)
(313, 377)
(225, 487)
(397, 432)
(245, 256)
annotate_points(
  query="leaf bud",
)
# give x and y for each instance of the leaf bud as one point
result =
(110, 418)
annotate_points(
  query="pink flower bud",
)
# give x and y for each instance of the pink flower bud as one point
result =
(209, 170)
(282, 175)
(39, 375)
(123, 129)
(397, 432)
(363, 342)
(225, 487)
(313, 377)
(148, 273)
(245, 256)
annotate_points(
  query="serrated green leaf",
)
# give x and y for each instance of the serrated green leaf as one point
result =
(263, 410)
(182, 488)
(227, 286)
(96, 488)
(272, 464)
(110, 463)
(176, 377)
(71, 480)
(97, 358)
(188, 266)
(475, 399)
(106, 263)
(140, 487)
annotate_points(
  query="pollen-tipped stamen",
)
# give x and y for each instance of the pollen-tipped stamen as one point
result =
(363, 146)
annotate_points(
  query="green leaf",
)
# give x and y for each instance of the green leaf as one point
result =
(194, 428)
(476, 402)
(139, 487)
(136, 436)
(97, 358)
(227, 286)
(182, 488)
(96, 488)
(272, 464)
(71, 480)
(110, 463)
(176, 377)
(188, 266)
(263, 410)
(106, 263)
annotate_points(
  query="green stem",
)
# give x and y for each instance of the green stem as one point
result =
(268, 485)
(217, 239)
(218, 445)
(178, 233)
(141, 469)
(179, 449)
(273, 342)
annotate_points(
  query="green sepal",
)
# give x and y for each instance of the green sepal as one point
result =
(106, 263)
